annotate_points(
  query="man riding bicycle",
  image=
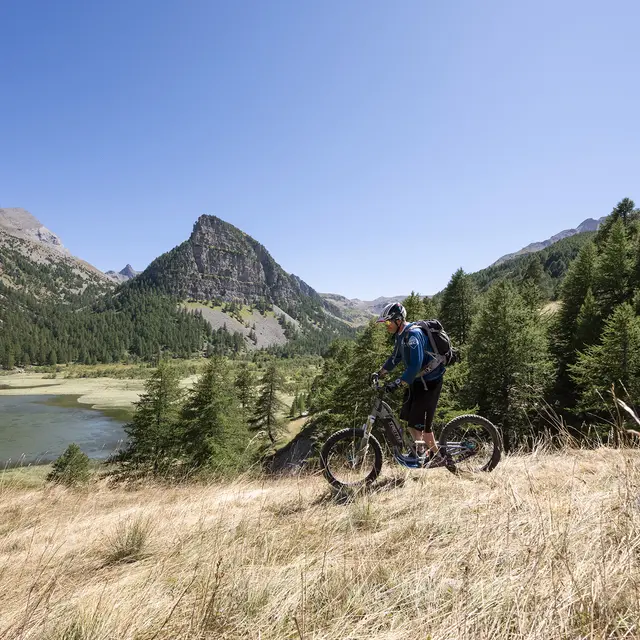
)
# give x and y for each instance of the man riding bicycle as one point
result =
(422, 378)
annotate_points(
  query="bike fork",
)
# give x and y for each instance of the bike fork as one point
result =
(360, 452)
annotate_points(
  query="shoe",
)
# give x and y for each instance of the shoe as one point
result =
(434, 459)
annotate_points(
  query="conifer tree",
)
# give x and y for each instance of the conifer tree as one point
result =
(508, 361)
(613, 270)
(413, 305)
(531, 284)
(213, 431)
(293, 412)
(269, 406)
(245, 388)
(154, 434)
(622, 211)
(430, 308)
(615, 361)
(588, 323)
(579, 279)
(457, 307)
(352, 397)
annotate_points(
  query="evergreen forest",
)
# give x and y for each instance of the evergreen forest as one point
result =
(546, 341)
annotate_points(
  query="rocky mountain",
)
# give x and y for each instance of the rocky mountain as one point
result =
(234, 282)
(19, 223)
(33, 259)
(359, 312)
(123, 275)
(587, 225)
(221, 262)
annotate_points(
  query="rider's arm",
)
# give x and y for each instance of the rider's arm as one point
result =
(415, 351)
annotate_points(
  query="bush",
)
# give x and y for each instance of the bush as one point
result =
(71, 468)
(129, 541)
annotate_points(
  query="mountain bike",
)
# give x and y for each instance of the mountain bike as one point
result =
(353, 457)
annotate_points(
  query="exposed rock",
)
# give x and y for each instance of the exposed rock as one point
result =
(123, 275)
(21, 224)
(221, 262)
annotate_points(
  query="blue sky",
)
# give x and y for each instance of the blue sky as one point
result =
(372, 146)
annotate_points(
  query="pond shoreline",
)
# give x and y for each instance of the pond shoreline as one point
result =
(35, 428)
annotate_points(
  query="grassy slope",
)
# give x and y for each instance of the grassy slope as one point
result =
(548, 546)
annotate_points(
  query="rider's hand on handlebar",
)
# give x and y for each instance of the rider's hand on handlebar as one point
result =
(392, 386)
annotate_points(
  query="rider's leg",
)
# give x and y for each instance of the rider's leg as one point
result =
(424, 396)
(433, 395)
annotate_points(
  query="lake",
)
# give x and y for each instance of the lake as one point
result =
(37, 429)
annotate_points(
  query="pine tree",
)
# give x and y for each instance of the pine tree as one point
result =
(622, 211)
(430, 308)
(588, 323)
(293, 412)
(578, 281)
(71, 468)
(413, 305)
(615, 361)
(509, 367)
(531, 284)
(213, 431)
(154, 434)
(350, 401)
(245, 389)
(457, 307)
(269, 406)
(613, 270)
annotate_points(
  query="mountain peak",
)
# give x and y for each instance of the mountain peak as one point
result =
(22, 224)
(129, 272)
(219, 261)
(123, 275)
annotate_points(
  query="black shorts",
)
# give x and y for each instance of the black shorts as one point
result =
(420, 402)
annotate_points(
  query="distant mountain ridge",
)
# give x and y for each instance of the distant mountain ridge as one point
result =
(357, 311)
(123, 275)
(24, 237)
(590, 224)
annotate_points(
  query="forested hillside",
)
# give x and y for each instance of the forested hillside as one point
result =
(525, 369)
(548, 266)
(56, 309)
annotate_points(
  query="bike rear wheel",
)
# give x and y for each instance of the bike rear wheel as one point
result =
(470, 443)
(348, 460)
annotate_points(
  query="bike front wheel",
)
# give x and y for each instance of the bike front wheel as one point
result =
(350, 460)
(470, 443)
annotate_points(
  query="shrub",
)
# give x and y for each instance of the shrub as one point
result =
(129, 541)
(71, 468)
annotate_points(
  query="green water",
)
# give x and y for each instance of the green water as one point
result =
(37, 429)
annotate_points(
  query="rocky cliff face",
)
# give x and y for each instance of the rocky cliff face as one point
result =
(21, 224)
(219, 261)
(22, 236)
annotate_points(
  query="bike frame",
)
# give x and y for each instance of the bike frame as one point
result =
(394, 436)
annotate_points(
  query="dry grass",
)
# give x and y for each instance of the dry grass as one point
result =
(548, 546)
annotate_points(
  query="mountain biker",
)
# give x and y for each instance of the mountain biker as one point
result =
(421, 380)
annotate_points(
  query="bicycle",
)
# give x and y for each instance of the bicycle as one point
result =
(352, 458)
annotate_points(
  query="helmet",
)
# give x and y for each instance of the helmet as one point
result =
(392, 311)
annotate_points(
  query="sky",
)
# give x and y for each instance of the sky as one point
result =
(372, 147)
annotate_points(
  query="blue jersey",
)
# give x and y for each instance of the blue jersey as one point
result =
(413, 348)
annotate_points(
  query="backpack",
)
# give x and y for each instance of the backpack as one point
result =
(439, 341)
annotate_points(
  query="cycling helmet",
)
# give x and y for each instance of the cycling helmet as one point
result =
(393, 311)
